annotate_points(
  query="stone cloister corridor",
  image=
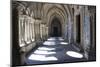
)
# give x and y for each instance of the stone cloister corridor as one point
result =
(54, 50)
(52, 33)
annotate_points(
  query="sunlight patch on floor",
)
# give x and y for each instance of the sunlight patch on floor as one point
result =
(64, 43)
(49, 43)
(42, 58)
(51, 39)
(55, 38)
(74, 54)
(45, 48)
(44, 52)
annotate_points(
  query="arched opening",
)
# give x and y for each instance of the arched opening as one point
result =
(55, 28)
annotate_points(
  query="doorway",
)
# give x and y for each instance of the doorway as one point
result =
(78, 29)
(55, 31)
(55, 28)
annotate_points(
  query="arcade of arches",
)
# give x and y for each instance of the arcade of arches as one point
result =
(48, 33)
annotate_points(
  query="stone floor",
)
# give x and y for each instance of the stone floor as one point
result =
(54, 50)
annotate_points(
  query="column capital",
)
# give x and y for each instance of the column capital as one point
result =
(37, 21)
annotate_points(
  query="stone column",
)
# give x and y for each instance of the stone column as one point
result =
(46, 32)
(33, 32)
(37, 30)
(65, 32)
(69, 29)
(74, 29)
(28, 35)
(41, 31)
(26, 31)
(30, 29)
(86, 33)
(20, 30)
